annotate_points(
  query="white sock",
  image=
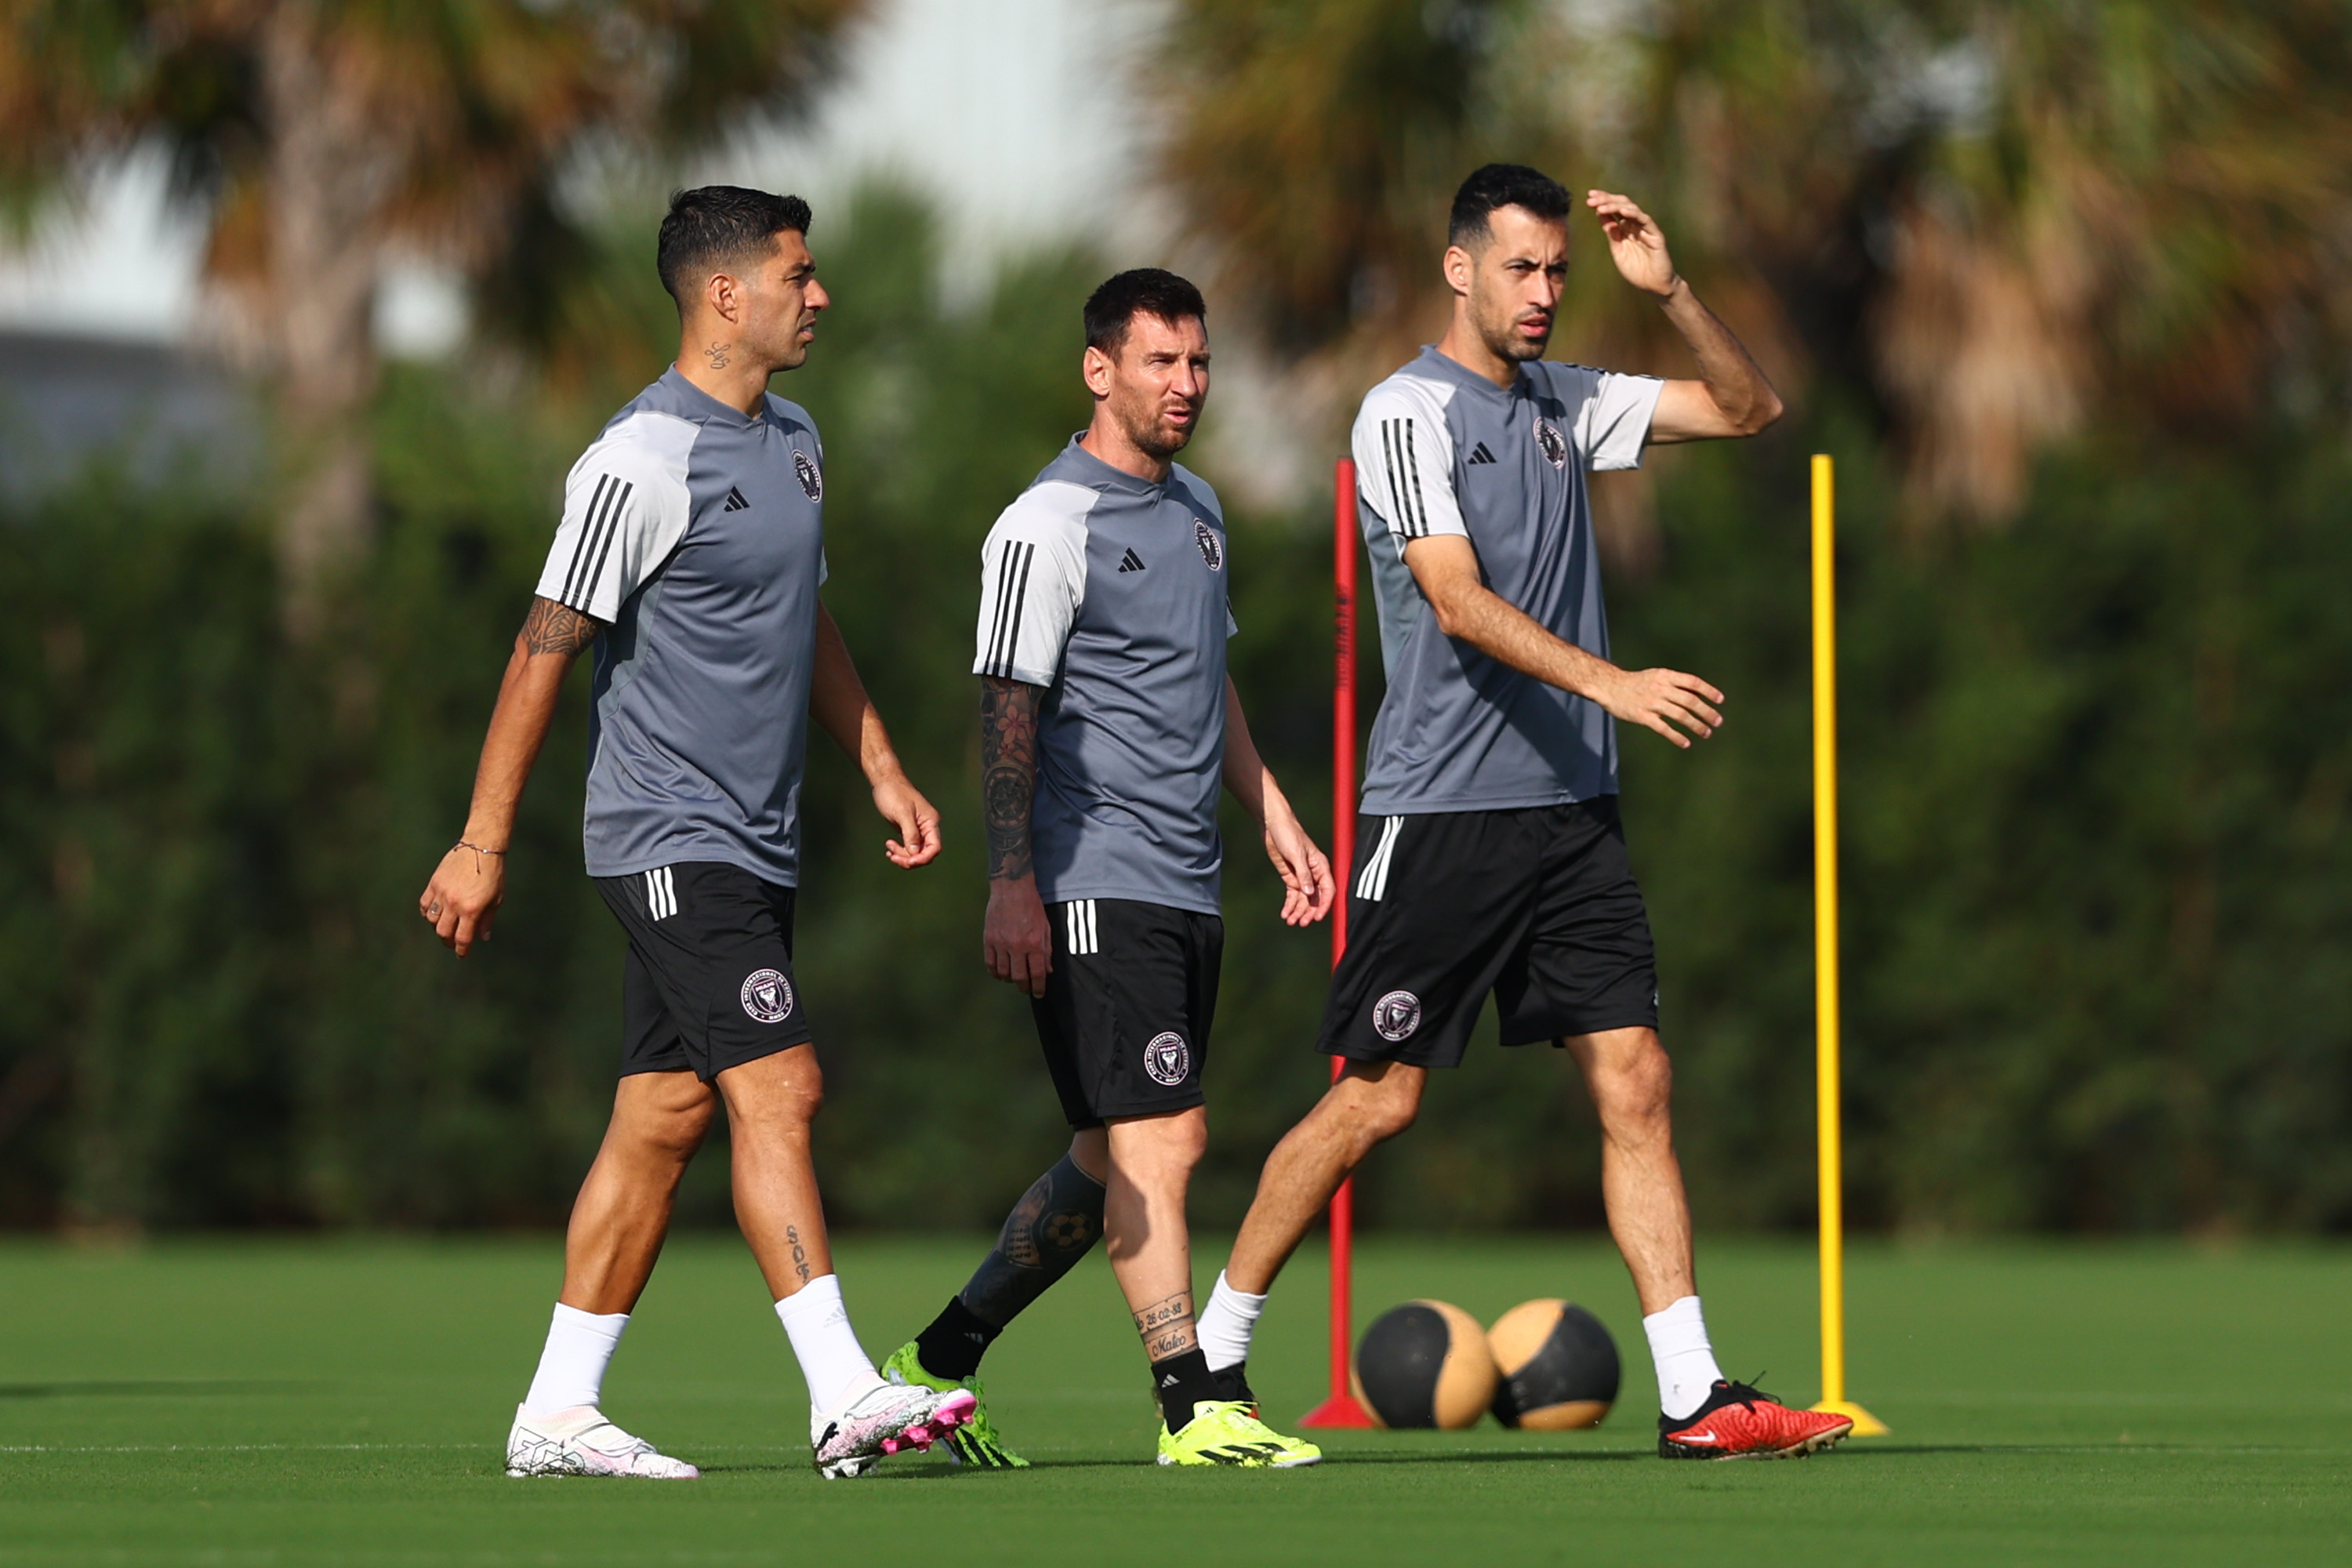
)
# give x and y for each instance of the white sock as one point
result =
(1226, 1324)
(837, 1368)
(1685, 1361)
(572, 1368)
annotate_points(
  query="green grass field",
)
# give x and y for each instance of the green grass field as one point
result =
(286, 1402)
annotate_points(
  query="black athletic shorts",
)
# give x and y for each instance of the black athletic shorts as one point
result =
(1537, 906)
(707, 984)
(1125, 1015)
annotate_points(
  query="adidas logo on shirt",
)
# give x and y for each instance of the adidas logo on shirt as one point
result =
(1479, 454)
(1130, 561)
(735, 501)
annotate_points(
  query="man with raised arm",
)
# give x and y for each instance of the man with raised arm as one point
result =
(1490, 859)
(689, 555)
(1108, 724)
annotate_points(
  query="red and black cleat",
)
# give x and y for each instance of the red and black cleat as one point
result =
(1738, 1422)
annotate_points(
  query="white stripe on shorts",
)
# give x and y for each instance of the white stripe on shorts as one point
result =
(661, 893)
(1372, 882)
(1083, 932)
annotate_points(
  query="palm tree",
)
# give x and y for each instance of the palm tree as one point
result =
(317, 134)
(1996, 216)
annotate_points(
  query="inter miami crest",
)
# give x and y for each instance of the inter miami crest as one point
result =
(1554, 445)
(1167, 1059)
(1396, 1016)
(812, 481)
(1212, 550)
(768, 995)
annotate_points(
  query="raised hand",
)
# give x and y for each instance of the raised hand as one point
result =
(1636, 244)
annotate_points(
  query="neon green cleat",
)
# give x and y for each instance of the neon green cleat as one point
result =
(1227, 1432)
(973, 1443)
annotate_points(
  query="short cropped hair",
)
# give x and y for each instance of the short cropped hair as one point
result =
(1502, 185)
(714, 225)
(1146, 291)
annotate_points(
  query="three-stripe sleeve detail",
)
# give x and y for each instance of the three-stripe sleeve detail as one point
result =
(1011, 588)
(1372, 881)
(661, 893)
(1079, 925)
(1402, 461)
(598, 530)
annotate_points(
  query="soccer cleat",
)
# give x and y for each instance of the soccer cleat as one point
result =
(975, 1441)
(1738, 1422)
(1227, 1432)
(889, 1418)
(580, 1442)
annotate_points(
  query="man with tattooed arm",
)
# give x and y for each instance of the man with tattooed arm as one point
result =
(1108, 726)
(689, 556)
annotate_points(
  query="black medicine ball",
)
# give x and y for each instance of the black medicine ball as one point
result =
(1558, 1367)
(1425, 1363)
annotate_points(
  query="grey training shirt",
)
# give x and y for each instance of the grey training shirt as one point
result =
(696, 532)
(1109, 591)
(1441, 449)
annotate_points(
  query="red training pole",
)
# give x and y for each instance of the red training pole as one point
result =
(1341, 1409)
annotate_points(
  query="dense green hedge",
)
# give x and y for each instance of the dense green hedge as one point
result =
(2098, 772)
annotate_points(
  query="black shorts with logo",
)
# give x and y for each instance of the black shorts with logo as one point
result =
(1537, 906)
(1128, 1005)
(707, 984)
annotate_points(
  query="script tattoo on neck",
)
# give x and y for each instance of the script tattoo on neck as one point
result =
(1008, 772)
(557, 629)
(1167, 1327)
(717, 353)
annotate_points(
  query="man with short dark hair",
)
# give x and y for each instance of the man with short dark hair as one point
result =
(1490, 859)
(1107, 725)
(689, 555)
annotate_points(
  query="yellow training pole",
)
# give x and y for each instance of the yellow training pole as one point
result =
(1825, 958)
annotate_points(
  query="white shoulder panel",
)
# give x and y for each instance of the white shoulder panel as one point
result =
(1404, 458)
(1610, 412)
(1033, 578)
(624, 508)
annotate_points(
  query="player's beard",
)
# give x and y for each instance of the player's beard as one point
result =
(788, 352)
(1148, 433)
(1499, 330)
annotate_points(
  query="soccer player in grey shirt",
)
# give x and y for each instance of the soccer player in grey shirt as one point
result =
(689, 555)
(1107, 726)
(1490, 858)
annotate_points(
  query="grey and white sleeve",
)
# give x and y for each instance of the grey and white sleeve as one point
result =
(1033, 578)
(1612, 412)
(624, 508)
(1404, 461)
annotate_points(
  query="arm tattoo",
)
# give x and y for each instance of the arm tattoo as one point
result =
(1008, 772)
(1167, 1327)
(551, 627)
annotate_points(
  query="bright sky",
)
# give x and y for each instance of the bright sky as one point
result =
(1010, 112)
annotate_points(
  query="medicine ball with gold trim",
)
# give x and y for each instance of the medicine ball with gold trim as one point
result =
(1556, 1366)
(1425, 1363)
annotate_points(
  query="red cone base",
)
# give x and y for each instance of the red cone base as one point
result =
(1339, 1410)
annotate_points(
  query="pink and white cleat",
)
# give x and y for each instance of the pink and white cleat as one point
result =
(580, 1442)
(890, 1419)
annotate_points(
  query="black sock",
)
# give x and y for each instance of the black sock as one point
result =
(951, 1347)
(1182, 1381)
